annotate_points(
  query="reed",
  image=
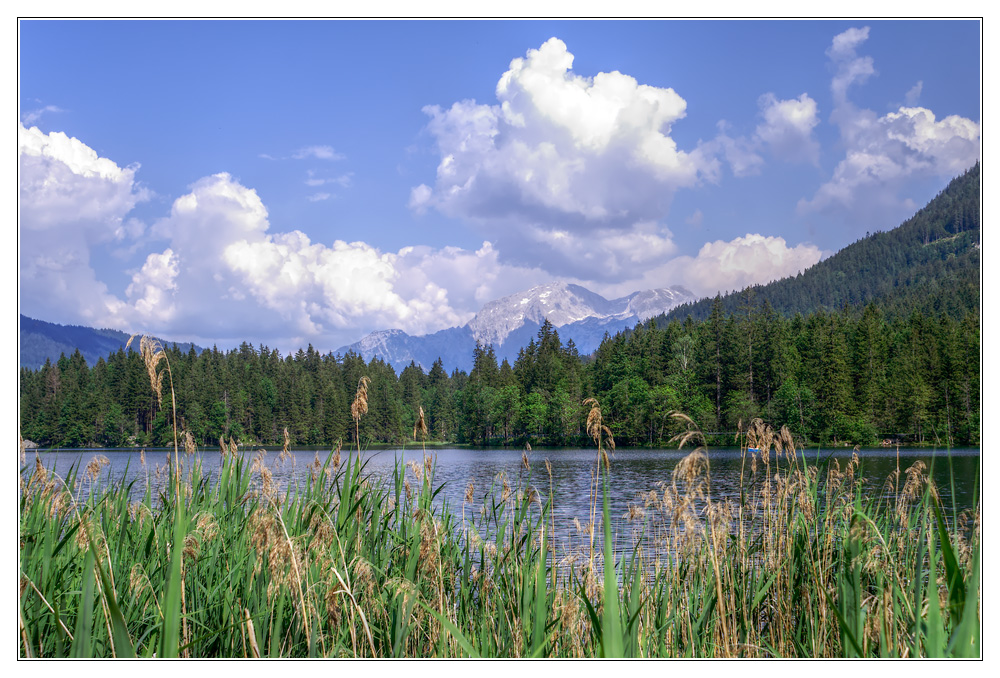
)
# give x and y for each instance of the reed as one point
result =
(346, 565)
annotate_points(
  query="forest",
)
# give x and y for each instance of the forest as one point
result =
(847, 377)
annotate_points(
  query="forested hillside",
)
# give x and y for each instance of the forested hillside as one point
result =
(879, 342)
(929, 263)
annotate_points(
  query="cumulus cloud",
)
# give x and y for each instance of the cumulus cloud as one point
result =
(231, 259)
(225, 274)
(722, 266)
(913, 94)
(150, 292)
(70, 199)
(565, 164)
(787, 127)
(883, 153)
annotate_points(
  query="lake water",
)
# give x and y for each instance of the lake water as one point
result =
(633, 472)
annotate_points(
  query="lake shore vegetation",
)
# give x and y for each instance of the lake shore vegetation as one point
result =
(345, 565)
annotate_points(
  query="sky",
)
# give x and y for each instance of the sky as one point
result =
(290, 183)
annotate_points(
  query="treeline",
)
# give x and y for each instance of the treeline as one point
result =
(853, 376)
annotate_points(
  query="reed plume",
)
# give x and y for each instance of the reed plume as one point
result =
(152, 355)
(360, 407)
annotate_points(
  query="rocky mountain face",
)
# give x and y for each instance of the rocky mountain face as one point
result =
(511, 322)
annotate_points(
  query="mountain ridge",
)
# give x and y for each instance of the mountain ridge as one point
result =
(510, 322)
(41, 340)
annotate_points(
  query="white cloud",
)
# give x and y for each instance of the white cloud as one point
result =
(913, 94)
(31, 117)
(317, 197)
(850, 67)
(564, 164)
(318, 152)
(883, 153)
(148, 291)
(787, 127)
(224, 274)
(238, 278)
(343, 180)
(70, 199)
(740, 153)
(722, 266)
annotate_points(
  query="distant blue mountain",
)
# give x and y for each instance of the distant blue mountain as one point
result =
(41, 341)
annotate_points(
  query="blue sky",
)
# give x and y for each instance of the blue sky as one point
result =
(308, 182)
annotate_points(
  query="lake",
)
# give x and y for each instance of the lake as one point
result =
(634, 472)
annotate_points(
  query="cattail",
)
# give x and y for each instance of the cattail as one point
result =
(524, 461)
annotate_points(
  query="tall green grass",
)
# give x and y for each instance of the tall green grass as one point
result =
(346, 565)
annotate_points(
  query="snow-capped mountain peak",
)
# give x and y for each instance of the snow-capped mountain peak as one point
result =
(648, 303)
(510, 322)
(561, 303)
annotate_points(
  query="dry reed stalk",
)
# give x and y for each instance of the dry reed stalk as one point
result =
(420, 426)
(336, 457)
(251, 633)
(360, 407)
(152, 354)
(286, 446)
(599, 432)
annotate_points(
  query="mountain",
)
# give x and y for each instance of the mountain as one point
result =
(41, 341)
(509, 323)
(930, 263)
